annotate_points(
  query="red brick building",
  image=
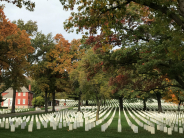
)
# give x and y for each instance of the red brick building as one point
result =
(23, 98)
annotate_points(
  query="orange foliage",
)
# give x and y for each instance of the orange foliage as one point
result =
(15, 44)
(63, 56)
(172, 96)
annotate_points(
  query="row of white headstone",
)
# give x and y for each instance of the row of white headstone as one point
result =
(106, 125)
(149, 126)
(91, 122)
(6, 111)
(69, 118)
(161, 120)
(133, 126)
(154, 106)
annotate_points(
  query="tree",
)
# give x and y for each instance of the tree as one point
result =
(154, 29)
(18, 46)
(58, 58)
(96, 86)
(61, 60)
(30, 27)
(42, 44)
(38, 101)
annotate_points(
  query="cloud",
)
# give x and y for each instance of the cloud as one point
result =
(48, 14)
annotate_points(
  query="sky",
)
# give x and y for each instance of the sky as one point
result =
(48, 14)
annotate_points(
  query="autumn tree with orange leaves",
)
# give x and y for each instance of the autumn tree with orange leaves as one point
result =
(58, 58)
(15, 47)
(61, 60)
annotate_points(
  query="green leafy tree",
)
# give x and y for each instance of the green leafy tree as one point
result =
(38, 101)
(30, 27)
(97, 86)
(42, 44)
(151, 30)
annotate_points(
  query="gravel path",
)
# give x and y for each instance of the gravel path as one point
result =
(57, 108)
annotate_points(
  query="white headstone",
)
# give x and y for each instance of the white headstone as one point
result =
(152, 130)
(74, 125)
(181, 130)
(89, 126)
(2, 124)
(135, 129)
(54, 126)
(60, 125)
(45, 124)
(169, 131)
(7, 125)
(64, 124)
(38, 125)
(51, 124)
(145, 126)
(103, 128)
(30, 128)
(92, 124)
(78, 124)
(70, 126)
(161, 128)
(165, 129)
(12, 128)
(81, 124)
(86, 127)
(16, 124)
(23, 125)
(119, 128)
(176, 129)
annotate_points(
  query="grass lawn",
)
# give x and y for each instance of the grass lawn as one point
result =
(111, 132)
(30, 109)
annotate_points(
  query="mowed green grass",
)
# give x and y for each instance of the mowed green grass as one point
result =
(111, 132)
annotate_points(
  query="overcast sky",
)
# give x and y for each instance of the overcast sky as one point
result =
(49, 15)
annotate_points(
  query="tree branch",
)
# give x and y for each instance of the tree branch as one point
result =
(162, 9)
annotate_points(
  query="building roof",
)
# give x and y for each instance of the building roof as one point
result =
(9, 95)
(10, 92)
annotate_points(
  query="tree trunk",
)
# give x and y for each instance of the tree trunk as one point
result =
(144, 103)
(79, 103)
(13, 102)
(98, 109)
(53, 101)
(104, 102)
(46, 102)
(159, 102)
(121, 103)
(87, 103)
(179, 105)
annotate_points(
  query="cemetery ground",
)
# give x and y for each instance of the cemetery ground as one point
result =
(79, 132)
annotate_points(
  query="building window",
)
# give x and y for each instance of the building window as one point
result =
(18, 93)
(24, 101)
(18, 101)
(24, 94)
